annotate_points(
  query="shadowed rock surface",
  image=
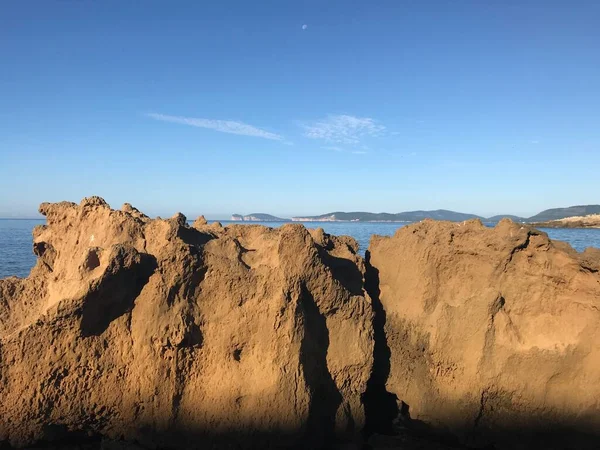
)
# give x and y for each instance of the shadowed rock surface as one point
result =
(154, 332)
(494, 334)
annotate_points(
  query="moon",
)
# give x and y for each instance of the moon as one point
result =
(304, 27)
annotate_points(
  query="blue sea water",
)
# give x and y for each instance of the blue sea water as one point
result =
(17, 258)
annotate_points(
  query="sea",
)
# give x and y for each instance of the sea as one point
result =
(17, 258)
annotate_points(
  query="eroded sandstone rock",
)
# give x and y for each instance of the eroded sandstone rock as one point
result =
(175, 336)
(494, 334)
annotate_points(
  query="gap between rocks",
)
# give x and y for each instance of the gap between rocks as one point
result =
(381, 406)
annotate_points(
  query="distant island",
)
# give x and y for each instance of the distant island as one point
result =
(416, 216)
(257, 217)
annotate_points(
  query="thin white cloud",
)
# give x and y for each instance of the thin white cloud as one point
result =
(535, 142)
(342, 150)
(343, 129)
(224, 126)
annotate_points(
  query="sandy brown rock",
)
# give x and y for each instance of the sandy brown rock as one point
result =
(200, 222)
(169, 335)
(494, 333)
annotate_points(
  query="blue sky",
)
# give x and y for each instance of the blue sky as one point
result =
(297, 108)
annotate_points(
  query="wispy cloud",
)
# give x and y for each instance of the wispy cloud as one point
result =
(343, 129)
(343, 150)
(224, 126)
(535, 142)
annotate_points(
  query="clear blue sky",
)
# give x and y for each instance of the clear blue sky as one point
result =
(300, 107)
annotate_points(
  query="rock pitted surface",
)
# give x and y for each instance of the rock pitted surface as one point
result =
(155, 332)
(493, 334)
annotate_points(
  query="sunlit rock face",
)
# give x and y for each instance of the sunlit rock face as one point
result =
(132, 331)
(493, 333)
(155, 332)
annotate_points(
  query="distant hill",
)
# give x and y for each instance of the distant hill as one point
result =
(258, 217)
(498, 218)
(416, 216)
(561, 213)
(438, 214)
(409, 216)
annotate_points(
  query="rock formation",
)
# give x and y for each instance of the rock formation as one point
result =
(155, 332)
(493, 334)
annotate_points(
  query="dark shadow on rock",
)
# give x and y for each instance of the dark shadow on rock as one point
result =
(191, 236)
(325, 397)
(46, 253)
(345, 271)
(415, 436)
(381, 406)
(553, 435)
(58, 436)
(414, 428)
(192, 272)
(114, 294)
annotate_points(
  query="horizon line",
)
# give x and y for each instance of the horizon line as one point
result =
(302, 216)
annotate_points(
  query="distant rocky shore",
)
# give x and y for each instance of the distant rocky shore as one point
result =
(591, 221)
(140, 333)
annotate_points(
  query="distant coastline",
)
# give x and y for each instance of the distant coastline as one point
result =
(416, 216)
(257, 217)
(582, 216)
(306, 219)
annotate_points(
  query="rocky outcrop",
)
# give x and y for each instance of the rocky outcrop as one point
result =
(156, 332)
(492, 334)
(590, 221)
(133, 332)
